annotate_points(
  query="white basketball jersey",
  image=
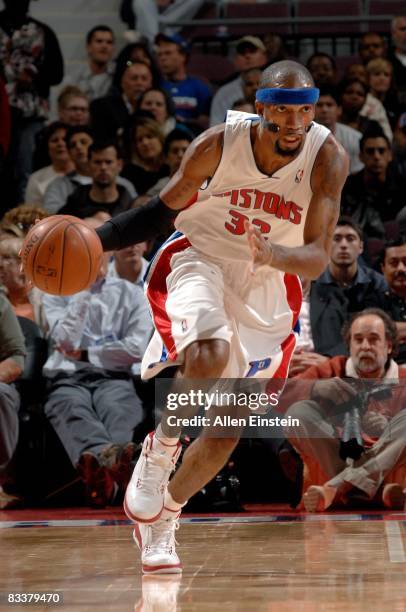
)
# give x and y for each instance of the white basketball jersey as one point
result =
(277, 204)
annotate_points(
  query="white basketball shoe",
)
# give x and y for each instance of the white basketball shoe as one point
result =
(157, 544)
(144, 498)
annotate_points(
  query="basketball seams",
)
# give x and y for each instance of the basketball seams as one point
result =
(63, 240)
(38, 245)
(64, 258)
(89, 253)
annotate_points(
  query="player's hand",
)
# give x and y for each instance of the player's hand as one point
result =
(373, 423)
(333, 390)
(261, 249)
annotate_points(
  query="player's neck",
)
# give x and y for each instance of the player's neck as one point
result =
(266, 163)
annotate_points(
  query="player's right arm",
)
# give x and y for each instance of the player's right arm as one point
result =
(154, 218)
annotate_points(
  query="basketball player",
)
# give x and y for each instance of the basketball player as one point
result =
(260, 191)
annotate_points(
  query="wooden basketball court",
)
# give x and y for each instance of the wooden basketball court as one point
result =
(273, 559)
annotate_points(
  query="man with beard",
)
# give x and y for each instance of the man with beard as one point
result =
(78, 140)
(255, 203)
(393, 300)
(104, 194)
(326, 391)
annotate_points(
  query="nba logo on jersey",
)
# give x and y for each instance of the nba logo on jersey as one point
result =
(299, 176)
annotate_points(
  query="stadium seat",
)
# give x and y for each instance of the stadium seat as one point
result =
(209, 10)
(385, 7)
(392, 230)
(212, 67)
(331, 9)
(269, 10)
(342, 63)
(374, 247)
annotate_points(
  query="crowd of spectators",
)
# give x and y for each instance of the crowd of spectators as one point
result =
(123, 123)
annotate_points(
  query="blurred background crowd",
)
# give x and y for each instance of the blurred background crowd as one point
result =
(95, 122)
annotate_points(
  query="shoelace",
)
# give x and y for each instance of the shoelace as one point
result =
(156, 460)
(163, 535)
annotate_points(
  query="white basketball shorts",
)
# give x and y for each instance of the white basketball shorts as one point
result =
(195, 297)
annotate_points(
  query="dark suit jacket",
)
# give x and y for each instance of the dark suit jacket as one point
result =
(108, 115)
(330, 306)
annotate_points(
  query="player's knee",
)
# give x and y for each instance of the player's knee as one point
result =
(206, 358)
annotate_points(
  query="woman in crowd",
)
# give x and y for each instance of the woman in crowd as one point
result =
(145, 165)
(353, 95)
(158, 102)
(380, 77)
(60, 163)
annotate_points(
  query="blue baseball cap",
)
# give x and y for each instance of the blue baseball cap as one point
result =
(172, 38)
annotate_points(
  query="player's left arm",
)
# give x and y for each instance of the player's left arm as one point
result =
(310, 260)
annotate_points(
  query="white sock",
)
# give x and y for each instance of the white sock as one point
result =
(172, 509)
(164, 440)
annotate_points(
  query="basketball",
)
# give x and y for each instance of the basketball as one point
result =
(61, 255)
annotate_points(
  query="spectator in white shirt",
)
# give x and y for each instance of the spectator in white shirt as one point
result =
(61, 163)
(327, 113)
(250, 53)
(95, 77)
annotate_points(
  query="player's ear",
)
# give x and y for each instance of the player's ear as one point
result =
(259, 107)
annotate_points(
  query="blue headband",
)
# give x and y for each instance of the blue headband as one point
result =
(279, 95)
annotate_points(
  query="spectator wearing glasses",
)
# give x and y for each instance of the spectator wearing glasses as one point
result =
(73, 106)
(73, 109)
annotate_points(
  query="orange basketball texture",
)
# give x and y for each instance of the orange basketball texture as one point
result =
(61, 255)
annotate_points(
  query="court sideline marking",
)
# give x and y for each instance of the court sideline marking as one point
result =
(395, 542)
